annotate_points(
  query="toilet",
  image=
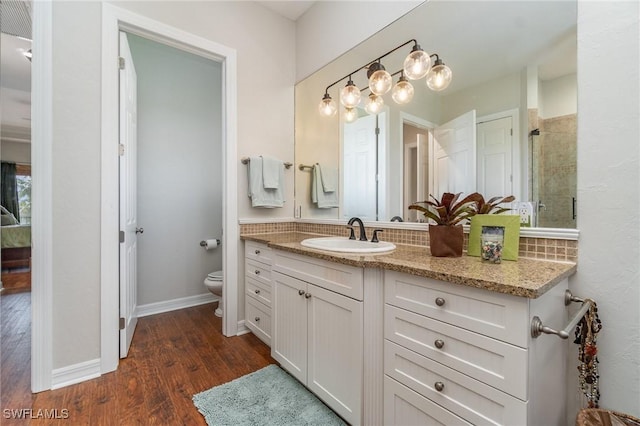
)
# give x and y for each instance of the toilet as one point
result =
(213, 282)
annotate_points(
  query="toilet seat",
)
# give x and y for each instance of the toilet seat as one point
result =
(215, 276)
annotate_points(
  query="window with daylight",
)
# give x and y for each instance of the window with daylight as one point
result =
(23, 181)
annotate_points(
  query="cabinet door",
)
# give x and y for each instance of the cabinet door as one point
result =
(289, 325)
(335, 351)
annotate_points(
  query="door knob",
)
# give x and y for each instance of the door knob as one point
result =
(139, 230)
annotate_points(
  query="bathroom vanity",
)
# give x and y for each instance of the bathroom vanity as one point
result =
(405, 338)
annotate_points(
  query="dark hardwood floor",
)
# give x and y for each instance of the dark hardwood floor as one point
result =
(173, 356)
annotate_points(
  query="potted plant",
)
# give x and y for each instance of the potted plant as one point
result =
(491, 206)
(446, 236)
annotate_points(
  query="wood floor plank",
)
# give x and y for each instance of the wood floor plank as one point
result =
(173, 356)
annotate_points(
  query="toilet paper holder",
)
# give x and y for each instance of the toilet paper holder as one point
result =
(203, 243)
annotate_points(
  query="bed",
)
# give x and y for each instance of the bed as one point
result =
(16, 246)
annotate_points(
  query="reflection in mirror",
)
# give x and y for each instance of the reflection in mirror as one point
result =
(514, 71)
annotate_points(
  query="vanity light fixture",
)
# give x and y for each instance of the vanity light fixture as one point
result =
(439, 77)
(416, 65)
(350, 95)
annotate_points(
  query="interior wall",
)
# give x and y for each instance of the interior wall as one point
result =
(558, 97)
(265, 79)
(609, 196)
(18, 152)
(179, 169)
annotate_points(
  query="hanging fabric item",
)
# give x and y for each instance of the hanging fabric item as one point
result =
(586, 336)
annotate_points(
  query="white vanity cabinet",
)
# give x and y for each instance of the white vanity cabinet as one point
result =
(461, 355)
(318, 328)
(258, 289)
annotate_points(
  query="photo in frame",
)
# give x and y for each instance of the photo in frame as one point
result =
(511, 225)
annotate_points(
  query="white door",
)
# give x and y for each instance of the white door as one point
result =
(289, 322)
(495, 161)
(454, 157)
(360, 171)
(335, 342)
(128, 210)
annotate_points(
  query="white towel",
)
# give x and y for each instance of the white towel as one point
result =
(329, 177)
(260, 196)
(271, 172)
(324, 200)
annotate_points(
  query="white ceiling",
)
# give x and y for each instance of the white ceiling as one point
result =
(15, 88)
(292, 9)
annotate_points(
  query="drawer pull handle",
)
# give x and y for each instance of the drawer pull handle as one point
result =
(439, 386)
(257, 319)
(439, 344)
(439, 301)
(257, 251)
(307, 295)
(300, 292)
(257, 272)
(257, 291)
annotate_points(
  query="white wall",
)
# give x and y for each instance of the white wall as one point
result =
(265, 46)
(18, 152)
(558, 96)
(179, 169)
(608, 194)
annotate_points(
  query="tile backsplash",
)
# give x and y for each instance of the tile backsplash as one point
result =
(560, 250)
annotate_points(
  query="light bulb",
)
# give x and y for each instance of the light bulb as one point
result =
(350, 115)
(327, 106)
(350, 95)
(374, 104)
(380, 80)
(439, 77)
(402, 91)
(417, 64)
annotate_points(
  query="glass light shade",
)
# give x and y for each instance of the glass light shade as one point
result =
(327, 106)
(439, 77)
(350, 115)
(350, 95)
(417, 64)
(380, 82)
(402, 91)
(374, 104)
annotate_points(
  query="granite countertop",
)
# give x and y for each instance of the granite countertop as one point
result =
(525, 277)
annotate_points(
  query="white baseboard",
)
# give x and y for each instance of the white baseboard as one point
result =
(242, 328)
(76, 373)
(175, 304)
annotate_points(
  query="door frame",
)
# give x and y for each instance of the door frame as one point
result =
(115, 19)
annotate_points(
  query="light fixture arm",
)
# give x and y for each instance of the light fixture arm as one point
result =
(415, 46)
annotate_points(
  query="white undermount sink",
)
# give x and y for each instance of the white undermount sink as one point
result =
(345, 245)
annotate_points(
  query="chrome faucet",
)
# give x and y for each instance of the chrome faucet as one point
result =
(396, 219)
(363, 234)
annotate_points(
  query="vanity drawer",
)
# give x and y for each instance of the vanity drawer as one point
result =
(497, 315)
(258, 290)
(402, 406)
(258, 251)
(343, 279)
(258, 271)
(491, 361)
(470, 399)
(259, 319)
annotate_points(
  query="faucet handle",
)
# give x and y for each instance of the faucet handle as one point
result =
(374, 239)
(352, 235)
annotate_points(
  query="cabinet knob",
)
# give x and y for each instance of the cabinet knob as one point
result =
(439, 343)
(257, 291)
(307, 295)
(257, 319)
(439, 386)
(257, 272)
(257, 251)
(439, 301)
(300, 292)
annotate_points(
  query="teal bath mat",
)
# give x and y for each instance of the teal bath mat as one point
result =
(268, 396)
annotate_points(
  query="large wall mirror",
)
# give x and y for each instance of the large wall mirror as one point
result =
(513, 99)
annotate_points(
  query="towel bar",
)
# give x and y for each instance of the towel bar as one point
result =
(537, 328)
(302, 167)
(246, 160)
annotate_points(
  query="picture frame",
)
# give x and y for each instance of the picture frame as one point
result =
(511, 225)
